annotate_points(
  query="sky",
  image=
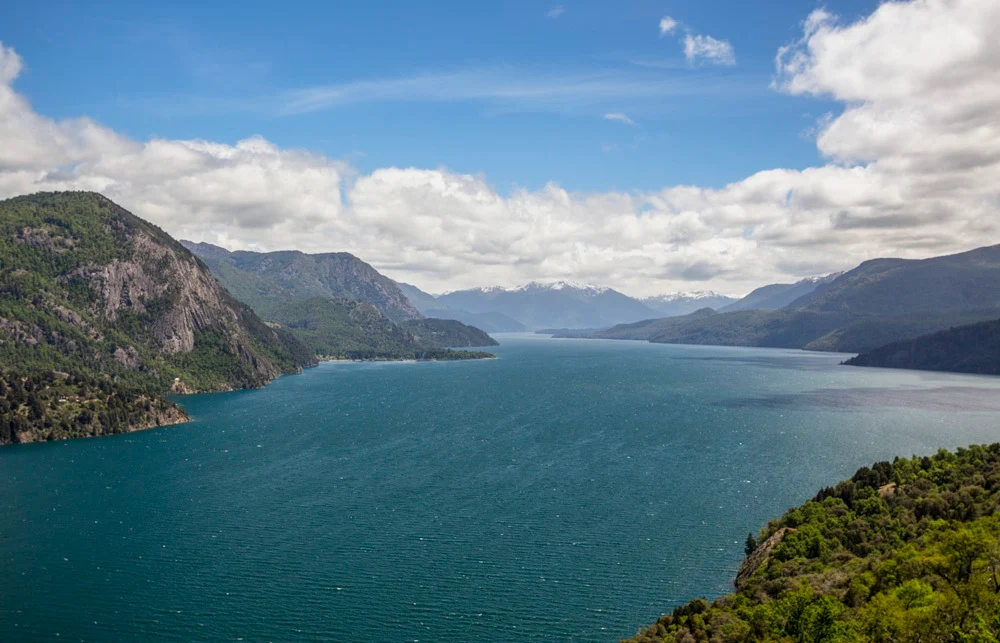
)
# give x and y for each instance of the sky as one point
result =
(651, 146)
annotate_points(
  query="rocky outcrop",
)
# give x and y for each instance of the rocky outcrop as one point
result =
(759, 556)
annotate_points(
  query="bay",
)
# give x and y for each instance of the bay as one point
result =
(571, 490)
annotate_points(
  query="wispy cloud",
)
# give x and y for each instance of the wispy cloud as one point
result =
(700, 47)
(514, 88)
(556, 11)
(619, 117)
(667, 25)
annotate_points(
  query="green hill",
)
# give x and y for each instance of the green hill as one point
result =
(967, 349)
(97, 305)
(904, 551)
(337, 305)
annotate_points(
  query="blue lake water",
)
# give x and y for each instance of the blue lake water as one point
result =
(571, 490)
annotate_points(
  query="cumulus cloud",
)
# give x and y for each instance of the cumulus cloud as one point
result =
(913, 170)
(667, 25)
(619, 117)
(699, 47)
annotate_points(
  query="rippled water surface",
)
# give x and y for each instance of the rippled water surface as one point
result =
(570, 490)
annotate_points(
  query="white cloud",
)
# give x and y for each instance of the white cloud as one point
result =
(700, 47)
(667, 25)
(555, 11)
(913, 171)
(619, 117)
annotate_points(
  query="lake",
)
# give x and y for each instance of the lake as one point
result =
(571, 490)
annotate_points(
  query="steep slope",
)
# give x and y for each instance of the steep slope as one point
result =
(557, 305)
(681, 303)
(903, 551)
(966, 349)
(266, 281)
(91, 292)
(775, 296)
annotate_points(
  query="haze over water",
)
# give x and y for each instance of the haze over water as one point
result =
(570, 490)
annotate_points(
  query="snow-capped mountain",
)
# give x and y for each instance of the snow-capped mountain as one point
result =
(681, 303)
(775, 296)
(560, 304)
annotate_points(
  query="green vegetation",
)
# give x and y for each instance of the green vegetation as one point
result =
(57, 405)
(337, 305)
(967, 349)
(445, 333)
(88, 289)
(904, 551)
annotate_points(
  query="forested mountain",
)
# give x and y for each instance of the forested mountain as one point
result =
(879, 302)
(337, 305)
(556, 305)
(683, 303)
(903, 551)
(775, 296)
(102, 312)
(965, 349)
(266, 281)
(429, 305)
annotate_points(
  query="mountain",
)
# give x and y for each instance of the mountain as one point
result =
(429, 305)
(896, 287)
(556, 305)
(421, 300)
(682, 303)
(337, 305)
(101, 313)
(265, 281)
(777, 296)
(879, 302)
(903, 551)
(966, 349)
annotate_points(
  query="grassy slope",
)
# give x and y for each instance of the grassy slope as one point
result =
(904, 551)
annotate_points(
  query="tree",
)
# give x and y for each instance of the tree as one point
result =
(751, 544)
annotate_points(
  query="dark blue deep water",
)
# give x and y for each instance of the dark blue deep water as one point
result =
(571, 490)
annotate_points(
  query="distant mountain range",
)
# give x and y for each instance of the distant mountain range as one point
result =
(554, 305)
(682, 303)
(429, 306)
(879, 302)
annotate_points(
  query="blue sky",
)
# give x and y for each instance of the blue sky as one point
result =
(515, 90)
(651, 146)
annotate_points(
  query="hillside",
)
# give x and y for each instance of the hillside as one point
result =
(904, 551)
(555, 305)
(265, 281)
(445, 333)
(120, 313)
(966, 349)
(775, 296)
(336, 304)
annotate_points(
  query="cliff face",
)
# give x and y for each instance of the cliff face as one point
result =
(88, 289)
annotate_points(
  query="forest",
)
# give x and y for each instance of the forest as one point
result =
(904, 551)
